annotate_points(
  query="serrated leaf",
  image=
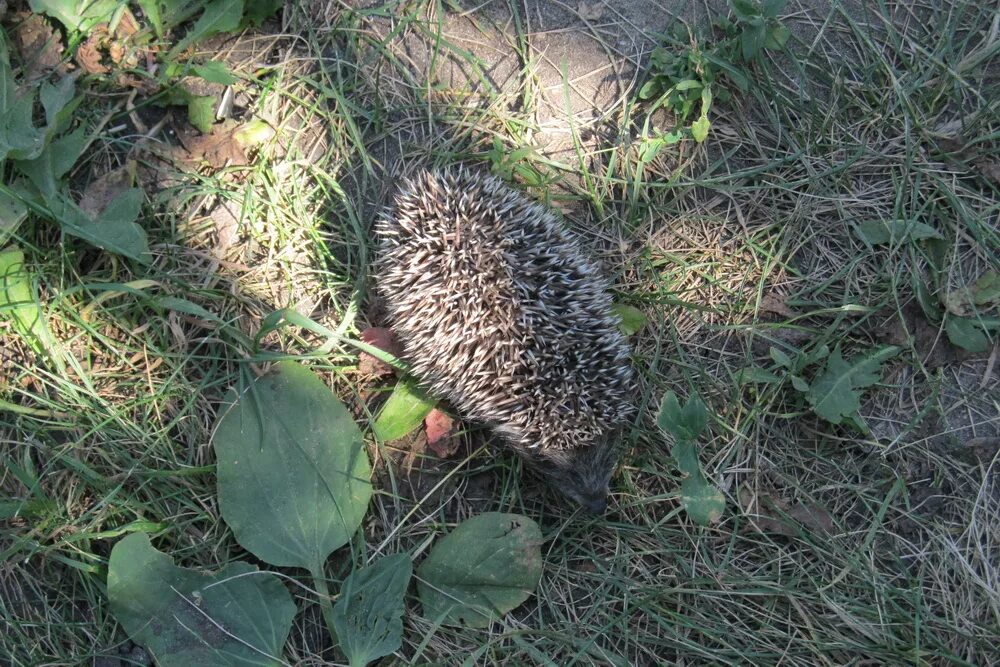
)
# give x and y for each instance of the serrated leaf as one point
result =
(219, 16)
(966, 333)
(368, 614)
(55, 160)
(114, 229)
(293, 473)
(632, 319)
(487, 566)
(56, 100)
(201, 113)
(17, 302)
(237, 616)
(834, 395)
(878, 232)
(699, 129)
(404, 412)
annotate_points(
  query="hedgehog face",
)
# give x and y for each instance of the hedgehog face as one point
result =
(582, 473)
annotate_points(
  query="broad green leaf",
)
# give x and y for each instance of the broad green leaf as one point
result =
(368, 614)
(699, 129)
(745, 9)
(19, 139)
(293, 473)
(685, 423)
(165, 14)
(649, 89)
(632, 319)
(487, 566)
(258, 11)
(966, 333)
(114, 229)
(771, 8)
(237, 616)
(777, 37)
(54, 162)
(253, 133)
(404, 412)
(702, 501)
(781, 358)
(834, 395)
(219, 16)
(878, 232)
(17, 302)
(986, 290)
(76, 14)
(201, 112)
(752, 40)
(12, 214)
(56, 100)
(215, 71)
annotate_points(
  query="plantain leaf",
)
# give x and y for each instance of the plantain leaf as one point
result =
(293, 473)
(368, 614)
(237, 616)
(488, 565)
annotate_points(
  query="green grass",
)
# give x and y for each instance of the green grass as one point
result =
(896, 558)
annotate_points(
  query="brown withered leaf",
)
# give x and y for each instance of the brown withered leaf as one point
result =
(104, 189)
(989, 170)
(217, 149)
(39, 46)
(910, 327)
(775, 303)
(90, 54)
(441, 434)
(385, 340)
(590, 11)
(778, 516)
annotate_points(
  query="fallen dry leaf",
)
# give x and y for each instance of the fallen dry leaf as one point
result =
(774, 303)
(775, 515)
(441, 436)
(217, 149)
(590, 11)
(385, 340)
(89, 55)
(989, 170)
(104, 189)
(39, 46)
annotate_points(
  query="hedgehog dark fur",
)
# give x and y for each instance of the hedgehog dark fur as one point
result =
(500, 311)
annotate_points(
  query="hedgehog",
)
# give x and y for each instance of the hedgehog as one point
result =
(500, 311)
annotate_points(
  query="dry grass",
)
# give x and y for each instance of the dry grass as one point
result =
(837, 547)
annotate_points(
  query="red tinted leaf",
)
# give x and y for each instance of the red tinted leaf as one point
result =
(441, 437)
